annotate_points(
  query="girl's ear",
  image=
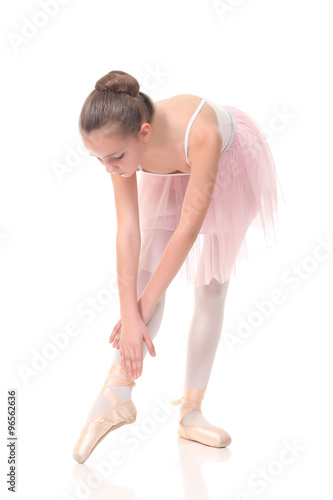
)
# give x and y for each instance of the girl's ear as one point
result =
(145, 131)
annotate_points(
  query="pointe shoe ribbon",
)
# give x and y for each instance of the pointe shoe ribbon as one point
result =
(121, 413)
(123, 379)
(208, 435)
(192, 399)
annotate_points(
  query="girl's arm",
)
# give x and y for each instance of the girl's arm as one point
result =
(128, 251)
(134, 330)
(128, 242)
(204, 165)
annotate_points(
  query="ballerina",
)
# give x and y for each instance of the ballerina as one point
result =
(199, 193)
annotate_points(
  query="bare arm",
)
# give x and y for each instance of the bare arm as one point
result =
(128, 242)
(128, 251)
(197, 198)
(133, 330)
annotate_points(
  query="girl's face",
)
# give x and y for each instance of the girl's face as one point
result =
(120, 155)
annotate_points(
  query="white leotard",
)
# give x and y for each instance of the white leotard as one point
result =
(226, 125)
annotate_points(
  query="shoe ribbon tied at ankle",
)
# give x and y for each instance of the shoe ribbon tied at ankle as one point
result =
(192, 399)
(195, 405)
(123, 380)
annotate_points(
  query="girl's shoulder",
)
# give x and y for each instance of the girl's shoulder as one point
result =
(184, 105)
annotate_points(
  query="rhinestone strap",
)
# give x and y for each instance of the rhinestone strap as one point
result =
(233, 132)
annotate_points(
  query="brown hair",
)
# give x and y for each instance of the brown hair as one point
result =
(116, 100)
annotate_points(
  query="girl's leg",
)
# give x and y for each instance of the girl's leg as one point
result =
(203, 339)
(153, 246)
(101, 403)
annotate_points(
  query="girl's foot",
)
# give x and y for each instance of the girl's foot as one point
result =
(195, 428)
(104, 399)
(118, 412)
(194, 417)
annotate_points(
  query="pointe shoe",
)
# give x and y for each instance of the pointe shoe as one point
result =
(208, 435)
(121, 413)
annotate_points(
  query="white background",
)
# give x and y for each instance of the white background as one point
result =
(57, 249)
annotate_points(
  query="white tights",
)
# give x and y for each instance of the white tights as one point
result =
(203, 339)
(101, 403)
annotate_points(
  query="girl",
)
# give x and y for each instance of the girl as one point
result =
(198, 194)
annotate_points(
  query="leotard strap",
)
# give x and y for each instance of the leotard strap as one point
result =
(190, 125)
(188, 128)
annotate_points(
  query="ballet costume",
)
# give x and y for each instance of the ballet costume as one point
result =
(245, 197)
(244, 202)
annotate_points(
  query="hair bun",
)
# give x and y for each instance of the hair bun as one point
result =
(118, 81)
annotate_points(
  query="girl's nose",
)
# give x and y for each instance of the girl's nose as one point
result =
(111, 169)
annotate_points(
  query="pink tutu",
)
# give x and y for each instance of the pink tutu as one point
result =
(241, 216)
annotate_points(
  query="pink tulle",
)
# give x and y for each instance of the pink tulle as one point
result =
(241, 216)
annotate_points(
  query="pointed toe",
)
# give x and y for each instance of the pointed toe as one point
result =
(94, 431)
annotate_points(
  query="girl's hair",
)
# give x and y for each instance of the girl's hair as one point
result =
(117, 101)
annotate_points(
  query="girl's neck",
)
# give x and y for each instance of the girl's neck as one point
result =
(159, 132)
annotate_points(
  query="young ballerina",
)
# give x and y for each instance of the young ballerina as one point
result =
(198, 195)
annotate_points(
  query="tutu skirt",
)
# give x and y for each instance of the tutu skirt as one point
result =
(241, 216)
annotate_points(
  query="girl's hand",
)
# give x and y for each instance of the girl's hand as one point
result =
(115, 335)
(133, 333)
(146, 311)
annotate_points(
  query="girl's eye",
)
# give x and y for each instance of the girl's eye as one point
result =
(119, 157)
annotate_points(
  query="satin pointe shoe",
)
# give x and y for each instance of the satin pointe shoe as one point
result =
(208, 435)
(121, 413)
